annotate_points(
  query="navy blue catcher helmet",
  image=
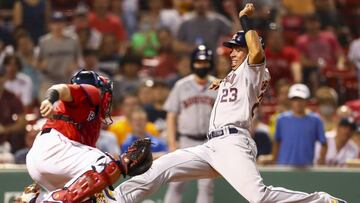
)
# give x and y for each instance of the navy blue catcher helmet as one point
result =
(238, 39)
(92, 78)
(202, 53)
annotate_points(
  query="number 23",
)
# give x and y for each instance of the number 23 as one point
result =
(229, 95)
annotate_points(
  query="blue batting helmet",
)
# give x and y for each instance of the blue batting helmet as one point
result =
(238, 39)
(202, 53)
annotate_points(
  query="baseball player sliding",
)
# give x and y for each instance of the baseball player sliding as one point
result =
(230, 151)
(63, 160)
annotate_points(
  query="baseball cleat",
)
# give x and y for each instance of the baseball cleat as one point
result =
(330, 198)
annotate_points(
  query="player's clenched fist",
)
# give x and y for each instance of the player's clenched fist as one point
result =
(46, 108)
(247, 10)
(215, 84)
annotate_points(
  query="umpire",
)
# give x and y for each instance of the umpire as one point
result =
(188, 111)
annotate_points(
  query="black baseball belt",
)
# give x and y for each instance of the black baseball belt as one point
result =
(221, 132)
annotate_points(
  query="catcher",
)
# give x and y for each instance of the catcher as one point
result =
(63, 159)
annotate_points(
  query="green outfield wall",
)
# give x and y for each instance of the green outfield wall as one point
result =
(340, 182)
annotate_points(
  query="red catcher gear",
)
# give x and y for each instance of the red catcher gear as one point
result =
(89, 183)
(82, 110)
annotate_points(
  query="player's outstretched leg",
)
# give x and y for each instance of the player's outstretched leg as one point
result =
(181, 165)
(241, 172)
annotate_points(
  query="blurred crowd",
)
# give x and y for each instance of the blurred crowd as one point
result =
(144, 46)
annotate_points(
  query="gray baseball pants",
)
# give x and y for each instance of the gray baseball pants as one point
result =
(232, 156)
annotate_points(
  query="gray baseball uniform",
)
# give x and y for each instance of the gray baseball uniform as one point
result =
(230, 151)
(192, 103)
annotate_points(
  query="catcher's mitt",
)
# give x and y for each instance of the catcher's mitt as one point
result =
(138, 158)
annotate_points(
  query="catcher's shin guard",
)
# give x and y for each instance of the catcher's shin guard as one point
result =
(89, 183)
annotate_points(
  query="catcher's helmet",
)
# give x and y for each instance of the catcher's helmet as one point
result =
(202, 53)
(101, 82)
(238, 39)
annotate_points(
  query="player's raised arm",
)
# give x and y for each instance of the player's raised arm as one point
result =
(256, 51)
(54, 93)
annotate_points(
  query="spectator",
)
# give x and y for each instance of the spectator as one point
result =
(319, 49)
(16, 82)
(144, 42)
(59, 54)
(340, 146)
(354, 56)
(89, 38)
(138, 120)
(33, 15)
(166, 59)
(145, 93)
(204, 27)
(129, 80)
(122, 127)
(173, 17)
(107, 143)
(327, 13)
(12, 118)
(26, 51)
(5, 153)
(105, 22)
(127, 12)
(155, 112)
(327, 100)
(30, 135)
(109, 57)
(182, 68)
(91, 60)
(283, 61)
(297, 132)
(282, 104)
(343, 111)
(302, 8)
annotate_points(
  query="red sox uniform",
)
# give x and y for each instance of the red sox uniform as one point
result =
(230, 151)
(64, 149)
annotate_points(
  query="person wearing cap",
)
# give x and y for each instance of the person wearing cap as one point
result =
(59, 54)
(340, 146)
(297, 131)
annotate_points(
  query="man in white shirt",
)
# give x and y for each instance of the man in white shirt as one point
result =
(340, 146)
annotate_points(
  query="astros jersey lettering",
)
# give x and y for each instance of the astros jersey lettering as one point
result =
(193, 102)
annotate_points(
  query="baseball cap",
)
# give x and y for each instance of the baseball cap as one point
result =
(58, 16)
(348, 122)
(299, 90)
(238, 39)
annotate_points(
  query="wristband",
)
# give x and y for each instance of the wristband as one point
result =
(52, 95)
(245, 23)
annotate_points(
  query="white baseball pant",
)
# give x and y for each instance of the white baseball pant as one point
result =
(54, 160)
